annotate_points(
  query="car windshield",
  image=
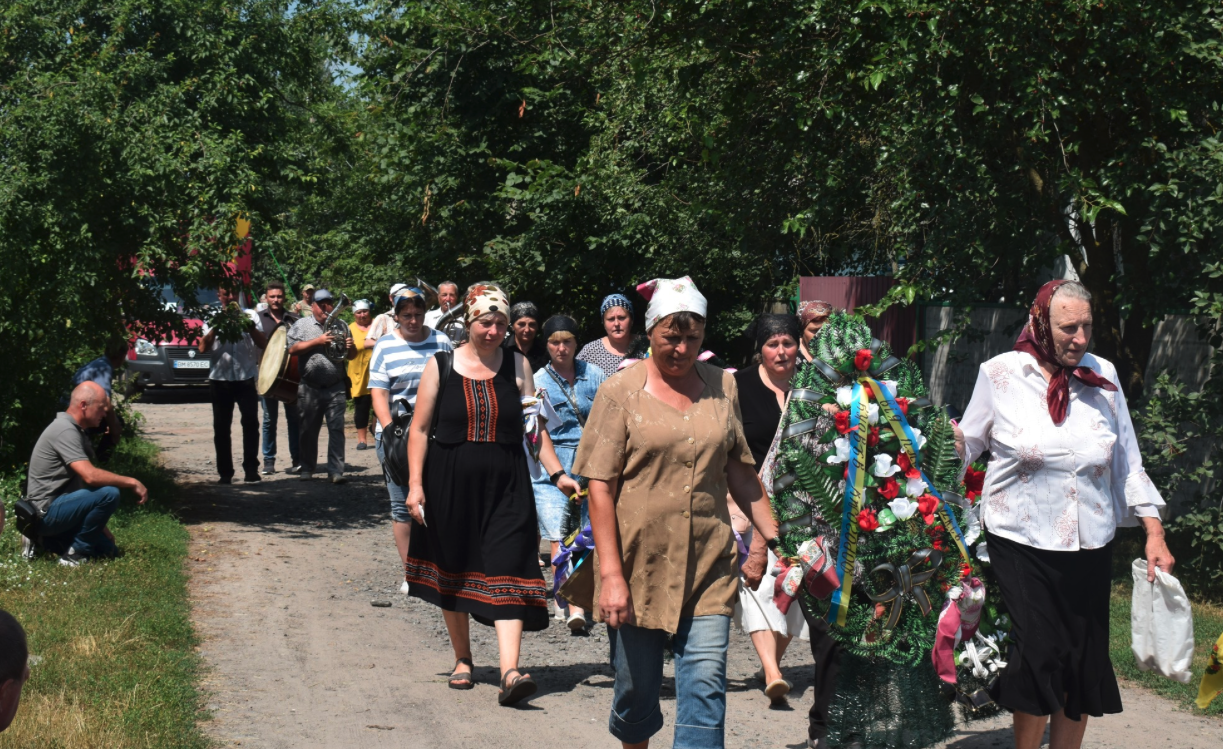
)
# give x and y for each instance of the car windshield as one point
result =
(205, 297)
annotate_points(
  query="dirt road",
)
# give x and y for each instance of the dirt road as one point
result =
(283, 576)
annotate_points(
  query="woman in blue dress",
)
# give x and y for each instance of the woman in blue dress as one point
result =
(571, 385)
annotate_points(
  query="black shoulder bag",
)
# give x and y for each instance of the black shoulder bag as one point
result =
(395, 436)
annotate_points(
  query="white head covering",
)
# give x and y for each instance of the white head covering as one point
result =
(397, 289)
(668, 296)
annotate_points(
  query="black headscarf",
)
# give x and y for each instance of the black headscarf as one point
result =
(524, 309)
(767, 326)
(559, 324)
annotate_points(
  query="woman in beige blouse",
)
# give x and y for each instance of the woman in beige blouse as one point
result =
(663, 444)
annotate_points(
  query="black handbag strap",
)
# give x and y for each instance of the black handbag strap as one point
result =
(445, 365)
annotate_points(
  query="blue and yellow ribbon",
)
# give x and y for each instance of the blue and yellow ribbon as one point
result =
(855, 484)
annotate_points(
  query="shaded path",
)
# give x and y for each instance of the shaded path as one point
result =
(283, 574)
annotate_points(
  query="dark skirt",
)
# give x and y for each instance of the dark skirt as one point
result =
(479, 553)
(1058, 604)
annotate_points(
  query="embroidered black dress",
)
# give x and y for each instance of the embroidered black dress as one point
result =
(478, 553)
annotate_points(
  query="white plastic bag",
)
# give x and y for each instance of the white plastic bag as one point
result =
(1162, 624)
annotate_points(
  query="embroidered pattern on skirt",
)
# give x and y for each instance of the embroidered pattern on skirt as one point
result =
(495, 591)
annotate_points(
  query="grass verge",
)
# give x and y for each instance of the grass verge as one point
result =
(116, 663)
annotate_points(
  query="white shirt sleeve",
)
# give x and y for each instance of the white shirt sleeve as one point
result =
(978, 418)
(1134, 494)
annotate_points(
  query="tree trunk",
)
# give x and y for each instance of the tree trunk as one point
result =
(1128, 346)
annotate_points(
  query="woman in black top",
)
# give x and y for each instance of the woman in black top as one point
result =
(762, 394)
(474, 549)
(523, 335)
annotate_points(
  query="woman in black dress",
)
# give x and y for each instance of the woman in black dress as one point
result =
(763, 388)
(474, 549)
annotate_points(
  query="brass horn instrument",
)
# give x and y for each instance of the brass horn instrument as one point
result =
(431, 292)
(337, 350)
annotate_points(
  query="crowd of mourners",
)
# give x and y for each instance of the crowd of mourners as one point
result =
(499, 428)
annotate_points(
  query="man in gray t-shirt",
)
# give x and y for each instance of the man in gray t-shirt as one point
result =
(321, 393)
(75, 497)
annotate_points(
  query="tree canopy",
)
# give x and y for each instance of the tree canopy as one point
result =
(570, 149)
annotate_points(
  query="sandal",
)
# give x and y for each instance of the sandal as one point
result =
(462, 679)
(519, 689)
(776, 691)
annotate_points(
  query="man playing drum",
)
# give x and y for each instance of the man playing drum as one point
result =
(269, 319)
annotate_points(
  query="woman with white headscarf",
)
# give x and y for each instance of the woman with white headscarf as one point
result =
(662, 446)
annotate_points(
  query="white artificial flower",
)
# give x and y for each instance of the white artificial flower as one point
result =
(972, 526)
(872, 414)
(983, 552)
(842, 446)
(890, 386)
(915, 487)
(845, 396)
(903, 508)
(884, 467)
(921, 441)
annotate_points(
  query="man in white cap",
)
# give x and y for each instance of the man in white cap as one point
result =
(385, 323)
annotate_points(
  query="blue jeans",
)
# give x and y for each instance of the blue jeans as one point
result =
(700, 682)
(399, 494)
(76, 519)
(271, 414)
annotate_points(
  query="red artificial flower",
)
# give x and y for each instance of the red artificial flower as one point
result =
(965, 570)
(974, 480)
(939, 545)
(906, 465)
(903, 404)
(889, 489)
(867, 520)
(862, 359)
(845, 474)
(842, 422)
(872, 438)
(927, 505)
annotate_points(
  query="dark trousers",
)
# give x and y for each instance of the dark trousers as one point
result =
(827, 654)
(225, 395)
(362, 405)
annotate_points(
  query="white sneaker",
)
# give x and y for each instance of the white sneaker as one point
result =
(338, 478)
(404, 588)
(29, 549)
(576, 622)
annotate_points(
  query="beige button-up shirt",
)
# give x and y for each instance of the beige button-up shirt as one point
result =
(675, 537)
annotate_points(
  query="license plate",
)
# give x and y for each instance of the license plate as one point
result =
(192, 364)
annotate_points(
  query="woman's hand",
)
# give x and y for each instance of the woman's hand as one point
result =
(959, 439)
(1158, 555)
(416, 504)
(753, 566)
(568, 486)
(616, 602)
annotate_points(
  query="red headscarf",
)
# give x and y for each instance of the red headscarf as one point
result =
(1037, 340)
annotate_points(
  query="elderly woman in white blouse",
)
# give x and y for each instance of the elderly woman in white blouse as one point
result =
(1064, 472)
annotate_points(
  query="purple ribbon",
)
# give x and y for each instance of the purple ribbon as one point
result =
(742, 547)
(582, 542)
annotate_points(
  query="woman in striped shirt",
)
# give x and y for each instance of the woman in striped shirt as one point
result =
(399, 359)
